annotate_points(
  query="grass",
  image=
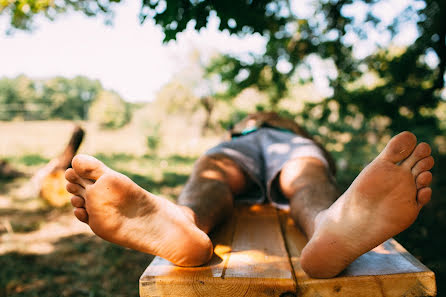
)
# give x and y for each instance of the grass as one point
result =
(80, 265)
(46, 252)
(163, 176)
(28, 160)
(77, 263)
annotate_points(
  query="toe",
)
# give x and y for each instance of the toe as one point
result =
(72, 177)
(423, 179)
(423, 165)
(422, 151)
(81, 214)
(424, 196)
(88, 167)
(76, 189)
(399, 147)
(77, 201)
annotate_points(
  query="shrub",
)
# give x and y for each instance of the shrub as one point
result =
(109, 110)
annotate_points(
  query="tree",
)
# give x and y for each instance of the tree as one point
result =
(354, 119)
(22, 13)
(70, 98)
(9, 100)
(109, 110)
(190, 89)
(59, 97)
(20, 98)
(177, 97)
(293, 37)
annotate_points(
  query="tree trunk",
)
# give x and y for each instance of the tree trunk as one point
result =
(64, 160)
(208, 104)
(49, 181)
(7, 172)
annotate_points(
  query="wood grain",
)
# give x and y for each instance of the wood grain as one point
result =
(259, 258)
(162, 278)
(388, 270)
(256, 253)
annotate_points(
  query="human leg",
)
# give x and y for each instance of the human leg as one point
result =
(211, 188)
(310, 189)
(384, 200)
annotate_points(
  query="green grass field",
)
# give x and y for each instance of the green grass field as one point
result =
(45, 251)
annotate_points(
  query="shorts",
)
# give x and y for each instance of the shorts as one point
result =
(262, 154)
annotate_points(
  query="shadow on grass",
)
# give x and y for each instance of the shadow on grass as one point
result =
(119, 157)
(106, 158)
(181, 159)
(28, 160)
(155, 174)
(4, 185)
(80, 265)
(24, 221)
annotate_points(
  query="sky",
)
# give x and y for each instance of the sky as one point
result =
(130, 58)
(127, 57)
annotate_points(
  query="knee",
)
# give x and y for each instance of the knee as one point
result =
(223, 169)
(299, 173)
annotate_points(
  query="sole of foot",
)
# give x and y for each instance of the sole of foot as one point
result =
(382, 201)
(119, 211)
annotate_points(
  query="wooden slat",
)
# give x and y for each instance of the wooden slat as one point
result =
(388, 270)
(259, 260)
(162, 278)
(253, 258)
(250, 260)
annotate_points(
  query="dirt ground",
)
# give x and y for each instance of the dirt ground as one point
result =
(46, 251)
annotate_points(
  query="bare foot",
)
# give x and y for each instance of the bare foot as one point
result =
(120, 211)
(382, 201)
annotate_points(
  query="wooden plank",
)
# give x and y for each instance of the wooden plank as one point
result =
(162, 278)
(388, 270)
(250, 259)
(259, 262)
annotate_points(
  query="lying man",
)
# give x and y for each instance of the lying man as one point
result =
(268, 159)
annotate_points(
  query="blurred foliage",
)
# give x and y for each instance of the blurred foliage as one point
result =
(390, 90)
(372, 97)
(409, 87)
(59, 97)
(77, 98)
(109, 110)
(33, 159)
(80, 265)
(153, 139)
(70, 98)
(177, 97)
(190, 90)
(21, 13)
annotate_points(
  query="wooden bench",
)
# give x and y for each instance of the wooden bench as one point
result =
(256, 253)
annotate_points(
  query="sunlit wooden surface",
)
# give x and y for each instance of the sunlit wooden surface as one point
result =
(257, 254)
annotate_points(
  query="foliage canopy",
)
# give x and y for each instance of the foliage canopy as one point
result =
(75, 98)
(409, 83)
(409, 87)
